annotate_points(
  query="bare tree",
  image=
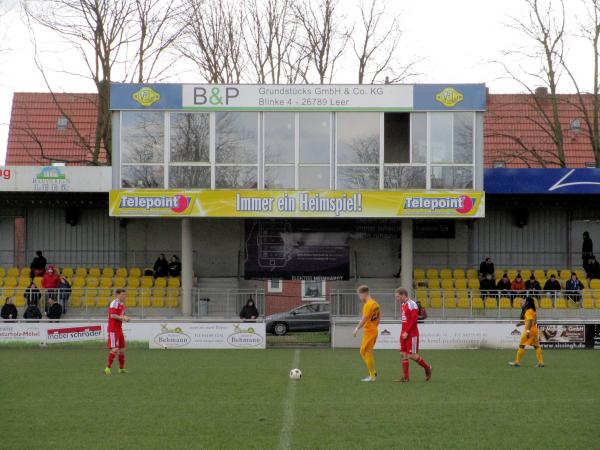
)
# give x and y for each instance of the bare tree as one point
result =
(544, 31)
(212, 38)
(325, 37)
(375, 43)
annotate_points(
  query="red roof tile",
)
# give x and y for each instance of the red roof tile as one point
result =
(36, 139)
(514, 132)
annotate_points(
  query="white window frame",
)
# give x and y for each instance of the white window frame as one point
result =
(272, 289)
(322, 298)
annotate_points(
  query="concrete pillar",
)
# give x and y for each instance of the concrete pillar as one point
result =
(406, 259)
(187, 266)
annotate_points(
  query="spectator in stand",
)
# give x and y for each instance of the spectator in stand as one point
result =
(552, 286)
(50, 282)
(486, 266)
(573, 288)
(504, 285)
(532, 285)
(587, 248)
(161, 267)
(32, 295)
(54, 309)
(487, 286)
(518, 286)
(38, 265)
(249, 311)
(592, 268)
(32, 312)
(64, 292)
(9, 310)
(174, 267)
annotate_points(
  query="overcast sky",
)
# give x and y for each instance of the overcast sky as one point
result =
(457, 39)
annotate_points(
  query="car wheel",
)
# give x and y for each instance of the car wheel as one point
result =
(280, 328)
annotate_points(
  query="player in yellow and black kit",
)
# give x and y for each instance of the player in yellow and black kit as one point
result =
(370, 322)
(530, 334)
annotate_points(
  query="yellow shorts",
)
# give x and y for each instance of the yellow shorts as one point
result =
(532, 340)
(368, 341)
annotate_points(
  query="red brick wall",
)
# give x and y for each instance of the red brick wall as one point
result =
(289, 298)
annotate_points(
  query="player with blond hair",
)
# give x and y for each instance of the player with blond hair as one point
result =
(371, 314)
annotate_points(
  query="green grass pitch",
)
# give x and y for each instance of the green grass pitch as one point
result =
(58, 398)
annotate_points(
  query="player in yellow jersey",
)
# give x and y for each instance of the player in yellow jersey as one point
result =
(530, 335)
(370, 322)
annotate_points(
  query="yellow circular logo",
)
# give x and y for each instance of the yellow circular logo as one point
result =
(146, 96)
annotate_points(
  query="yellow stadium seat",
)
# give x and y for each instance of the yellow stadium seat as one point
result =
(106, 282)
(10, 281)
(477, 303)
(38, 282)
(24, 281)
(1, 282)
(560, 303)
(147, 282)
(473, 283)
(432, 273)
(459, 274)
(130, 301)
(25, 272)
(13, 272)
(596, 294)
(505, 303)
(146, 302)
(2, 272)
(565, 274)
(108, 272)
(449, 302)
(580, 274)
(460, 283)
(133, 282)
(78, 282)
(432, 283)
(462, 293)
(94, 272)
(172, 302)
(89, 302)
(8, 292)
(539, 274)
(173, 292)
(120, 282)
(472, 274)
(446, 274)
(595, 284)
(160, 292)
(160, 282)
(421, 294)
(105, 292)
(435, 303)
(447, 283)
(19, 301)
(121, 272)
(463, 302)
(102, 302)
(512, 273)
(75, 302)
(93, 282)
(525, 274)
(81, 272)
(517, 302)
(490, 303)
(174, 282)
(597, 304)
(419, 274)
(158, 302)
(135, 272)
(67, 272)
(546, 303)
(550, 272)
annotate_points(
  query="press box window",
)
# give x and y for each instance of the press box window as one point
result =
(397, 138)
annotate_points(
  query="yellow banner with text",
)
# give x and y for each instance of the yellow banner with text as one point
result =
(306, 204)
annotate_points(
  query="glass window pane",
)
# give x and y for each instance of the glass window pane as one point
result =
(315, 137)
(451, 177)
(441, 137)
(190, 137)
(313, 177)
(358, 178)
(236, 137)
(397, 138)
(279, 137)
(236, 177)
(404, 177)
(358, 138)
(142, 136)
(189, 177)
(279, 177)
(142, 176)
(419, 137)
(463, 137)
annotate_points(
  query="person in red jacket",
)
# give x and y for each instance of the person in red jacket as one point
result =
(50, 282)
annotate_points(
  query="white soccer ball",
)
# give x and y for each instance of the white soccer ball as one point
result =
(43, 344)
(295, 374)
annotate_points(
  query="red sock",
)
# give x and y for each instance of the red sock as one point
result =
(405, 368)
(111, 358)
(423, 364)
(121, 360)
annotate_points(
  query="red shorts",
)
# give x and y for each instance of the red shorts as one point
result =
(116, 339)
(410, 344)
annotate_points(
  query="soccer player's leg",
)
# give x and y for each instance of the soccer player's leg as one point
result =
(366, 353)
(404, 349)
(113, 351)
(538, 351)
(414, 355)
(122, 353)
(525, 340)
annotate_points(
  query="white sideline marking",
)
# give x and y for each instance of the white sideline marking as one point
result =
(287, 424)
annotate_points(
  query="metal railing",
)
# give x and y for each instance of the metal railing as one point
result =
(225, 303)
(473, 303)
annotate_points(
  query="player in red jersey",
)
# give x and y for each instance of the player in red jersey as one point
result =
(116, 340)
(409, 335)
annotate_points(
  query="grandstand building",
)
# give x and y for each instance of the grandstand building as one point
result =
(294, 191)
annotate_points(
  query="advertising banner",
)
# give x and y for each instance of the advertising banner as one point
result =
(55, 179)
(58, 333)
(309, 204)
(207, 335)
(548, 181)
(296, 250)
(562, 336)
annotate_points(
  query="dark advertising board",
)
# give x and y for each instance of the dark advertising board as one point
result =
(296, 250)
(562, 335)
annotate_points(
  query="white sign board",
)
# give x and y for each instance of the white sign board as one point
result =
(298, 97)
(55, 179)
